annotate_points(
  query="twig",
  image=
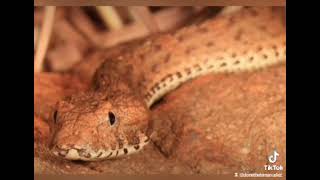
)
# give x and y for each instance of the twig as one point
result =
(143, 15)
(167, 19)
(35, 37)
(110, 17)
(84, 25)
(230, 9)
(44, 38)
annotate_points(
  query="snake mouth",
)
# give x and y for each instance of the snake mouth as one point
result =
(88, 154)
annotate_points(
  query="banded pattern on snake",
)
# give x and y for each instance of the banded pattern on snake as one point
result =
(112, 118)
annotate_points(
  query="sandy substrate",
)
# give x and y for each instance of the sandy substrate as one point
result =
(215, 124)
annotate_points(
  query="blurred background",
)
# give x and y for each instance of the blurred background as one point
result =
(64, 36)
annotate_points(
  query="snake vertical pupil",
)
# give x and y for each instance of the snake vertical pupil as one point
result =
(112, 118)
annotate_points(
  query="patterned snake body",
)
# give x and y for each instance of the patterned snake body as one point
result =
(112, 119)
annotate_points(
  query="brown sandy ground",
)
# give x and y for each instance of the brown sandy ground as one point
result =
(215, 124)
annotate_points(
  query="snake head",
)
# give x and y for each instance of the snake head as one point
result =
(93, 126)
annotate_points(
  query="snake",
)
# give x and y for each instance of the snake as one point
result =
(112, 118)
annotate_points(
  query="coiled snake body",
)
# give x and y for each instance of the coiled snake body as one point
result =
(112, 118)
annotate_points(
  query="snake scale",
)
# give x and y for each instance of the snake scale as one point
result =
(112, 119)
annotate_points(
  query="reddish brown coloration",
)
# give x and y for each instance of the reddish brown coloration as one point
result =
(233, 121)
(98, 133)
(82, 121)
(41, 130)
(210, 106)
(69, 86)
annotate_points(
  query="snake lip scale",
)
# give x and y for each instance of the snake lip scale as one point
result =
(112, 119)
(88, 154)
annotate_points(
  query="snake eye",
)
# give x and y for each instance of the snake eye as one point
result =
(112, 118)
(55, 115)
